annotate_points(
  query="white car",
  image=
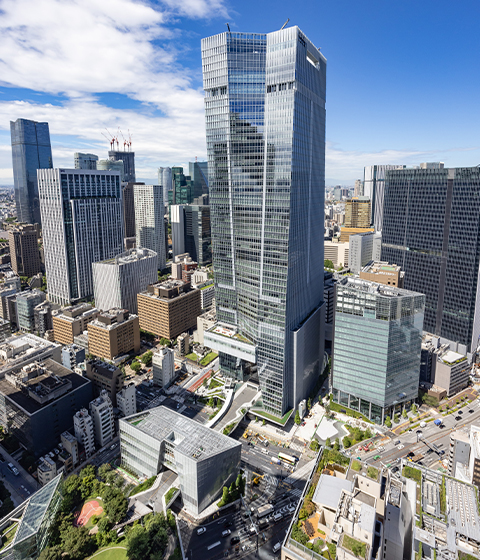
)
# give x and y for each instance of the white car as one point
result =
(201, 530)
(225, 533)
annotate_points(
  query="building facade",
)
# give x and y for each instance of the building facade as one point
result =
(31, 150)
(163, 367)
(363, 248)
(128, 159)
(127, 400)
(113, 333)
(26, 303)
(69, 322)
(376, 351)
(84, 432)
(177, 222)
(101, 412)
(266, 184)
(149, 223)
(431, 228)
(383, 273)
(165, 180)
(85, 161)
(72, 356)
(104, 377)
(82, 224)
(198, 234)
(24, 253)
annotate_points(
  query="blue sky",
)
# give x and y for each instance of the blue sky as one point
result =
(403, 78)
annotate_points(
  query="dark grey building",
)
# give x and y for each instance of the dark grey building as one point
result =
(31, 150)
(431, 228)
(198, 235)
(129, 209)
(198, 171)
(128, 159)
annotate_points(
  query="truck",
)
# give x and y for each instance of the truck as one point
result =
(263, 523)
(264, 510)
(437, 422)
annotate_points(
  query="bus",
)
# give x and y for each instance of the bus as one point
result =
(213, 545)
(265, 510)
(287, 458)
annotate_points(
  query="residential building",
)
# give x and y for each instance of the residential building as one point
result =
(101, 411)
(165, 180)
(117, 281)
(70, 444)
(127, 400)
(112, 165)
(113, 333)
(24, 253)
(459, 454)
(47, 470)
(129, 209)
(183, 344)
(43, 317)
(149, 222)
(104, 377)
(128, 159)
(383, 273)
(204, 460)
(72, 356)
(374, 188)
(177, 222)
(26, 303)
(163, 367)
(376, 351)
(38, 401)
(337, 252)
(84, 431)
(362, 249)
(18, 351)
(169, 308)
(267, 206)
(85, 161)
(5, 330)
(198, 235)
(69, 322)
(82, 224)
(440, 257)
(31, 151)
(207, 296)
(451, 371)
(204, 322)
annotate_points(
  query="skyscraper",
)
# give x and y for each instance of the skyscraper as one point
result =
(165, 180)
(266, 182)
(431, 228)
(198, 235)
(149, 223)
(85, 161)
(31, 150)
(82, 223)
(128, 159)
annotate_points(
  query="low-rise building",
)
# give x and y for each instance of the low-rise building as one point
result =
(183, 344)
(169, 308)
(72, 356)
(337, 252)
(47, 470)
(5, 330)
(163, 367)
(204, 322)
(18, 351)
(105, 377)
(113, 333)
(101, 411)
(72, 321)
(383, 273)
(70, 444)
(43, 317)
(204, 460)
(26, 303)
(84, 431)
(127, 400)
(452, 371)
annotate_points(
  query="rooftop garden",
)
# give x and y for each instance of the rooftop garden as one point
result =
(356, 547)
(208, 358)
(356, 465)
(412, 473)
(8, 535)
(283, 420)
(372, 473)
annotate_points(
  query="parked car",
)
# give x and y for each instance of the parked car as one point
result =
(201, 530)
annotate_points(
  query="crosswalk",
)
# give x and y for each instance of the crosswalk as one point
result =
(297, 447)
(271, 480)
(296, 492)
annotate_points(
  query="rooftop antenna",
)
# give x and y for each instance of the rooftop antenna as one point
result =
(228, 27)
(283, 26)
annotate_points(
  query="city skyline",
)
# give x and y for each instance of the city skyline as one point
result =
(387, 102)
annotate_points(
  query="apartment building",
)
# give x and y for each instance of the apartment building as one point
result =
(113, 333)
(72, 321)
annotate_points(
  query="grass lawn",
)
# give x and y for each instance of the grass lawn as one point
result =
(208, 358)
(276, 419)
(214, 383)
(111, 553)
(8, 534)
(192, 356)
(348, 411)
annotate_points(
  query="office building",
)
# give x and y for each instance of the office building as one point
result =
(459, 454)
(204, 460)
(5, 330)
(149, 222)
(363, 248)
(31, 151)
(26, 303)
(112, 165)
(104, 377)
(114, 333)
(101, 412)
(198, 235)
(82, 224)
(43, 318)
(117, 281)
(358, 190)
(84, 431)
(347, 232)
(374, 189)
(431, 228)
(72, 356)
(264, 207)
(376, 351)
(337, 252)
(127, 400)
(69, 322)
(129, 210)
(169, 308)
(163, 367)
(207, 295)
(451, 371)
(24, 253)
(165, 180)
(383, 273)
(18, 351)
(183, 189)
(128, 159)
(177, 222)
(198, 171)
(357, 212)
(38, 400)
(85, 161)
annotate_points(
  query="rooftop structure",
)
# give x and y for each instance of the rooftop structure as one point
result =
(18, 351)
(69, 322)
(113, 333)
(383, 273)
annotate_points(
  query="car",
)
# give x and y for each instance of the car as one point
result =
(395, 469)
(234, 540)
(201, 530)
(460, 412)
(470, 411)
(226, 533)
(419, 432)
(457, 418)
(397, 442)
(343, 410)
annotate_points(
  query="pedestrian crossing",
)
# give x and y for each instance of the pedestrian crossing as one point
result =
(271, 480)
(297, 447)
(296, 492)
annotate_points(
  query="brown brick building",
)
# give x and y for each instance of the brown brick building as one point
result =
(104, 377)
(24, 252)
(169, 308)
(72, 321)
(113, 333)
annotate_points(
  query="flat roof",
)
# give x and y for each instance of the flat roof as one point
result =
(132, 255)
(374, 288)
(329, 489)
(189, 437)
(451, 357)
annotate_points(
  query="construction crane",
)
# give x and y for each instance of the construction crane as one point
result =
(125, 143)
(129, 141)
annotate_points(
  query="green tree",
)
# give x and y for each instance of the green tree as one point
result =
(327, 263)
(397, 418)
(336, 445)
(104, 525)
(328, 443)
(388, 422)
(263, 422)
(103, 470)
(136, 366)
(115, 504)
(165, 342)
(138, 545)
(210, 402)
(77, 543)
(309, 403)
(414, 408)
(404, 413)
(347, 442)
(147, 358)
(51, 553)
(225, 495)
(368, 433)
(297, 418)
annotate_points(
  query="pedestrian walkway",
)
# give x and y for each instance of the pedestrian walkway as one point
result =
(302, 472)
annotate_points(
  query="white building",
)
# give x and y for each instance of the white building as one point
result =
(336, 252)
(363, 248)
(149, 222)
(177, 220)
(85, 161)
(127, 400)
(82, 223)
(117, 281)
(207, 296)
(163, 365)
(101, 411)
(84, 432)
(165, 179)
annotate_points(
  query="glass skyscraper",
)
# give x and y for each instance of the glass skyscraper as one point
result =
(265, 125)
(31, 150)
(376, 353)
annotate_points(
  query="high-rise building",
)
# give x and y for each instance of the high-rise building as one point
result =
(84, 432)
(149, 223)
(165, 180)
(24, 253)
(358, 190)
(374, 188)
(183, 191)
(112, 165)
(82, 224)
(357, 212)
(31, 150)
(113, 333)
(101, 411)
(376, 351)
(26, 303)
(163, 367)
(266, 182)
(198, 235)
(128, 159)
(85, 161)
(117, 281)
(129, 209)
(431, 228)
(198, 171)
(363, 248)
(177, 222)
